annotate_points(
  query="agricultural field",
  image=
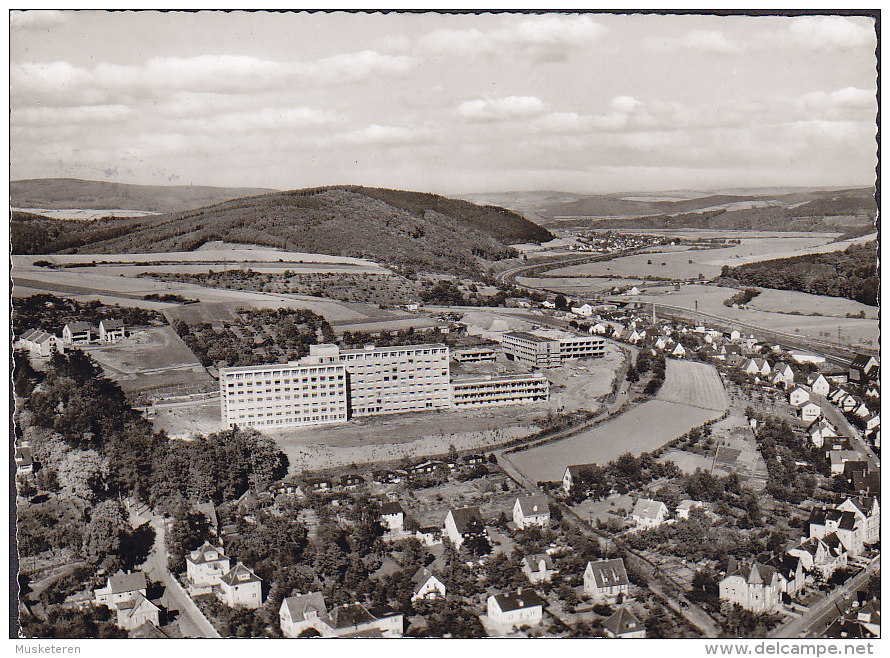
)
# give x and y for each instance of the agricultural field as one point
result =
(693, 384)
(152, 358)
(704, 262)
(644, 428)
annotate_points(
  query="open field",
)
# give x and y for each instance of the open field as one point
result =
(706, 262)
(83, 214)
(693, 384)
(151, 358)
(642, 429)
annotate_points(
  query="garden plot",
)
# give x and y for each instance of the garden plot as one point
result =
(693, 384)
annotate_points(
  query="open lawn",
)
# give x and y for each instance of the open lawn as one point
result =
(641, 429)
(694, 384)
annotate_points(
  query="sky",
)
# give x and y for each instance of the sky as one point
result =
(444, 103)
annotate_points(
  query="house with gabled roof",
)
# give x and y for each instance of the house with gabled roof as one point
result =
(783, 375)
(605, 580)
(515, 609)
(463, 523)
(240, 587)
(849, 526)
(301, 612)
(122, 586)
(135, 612)
(838, 458)
(820, 430)
(864, 368)
(205, 565)
(79, 333)
(823, 554)
(359, 620)
(531, 511)
(868, 510)
(791, 569)
(427, 586)
(571, 475)
(624, 624)
(757, 366)
(819, 385)
(798, 396)
(111, 330)
(648, 513)
(755, 587)
(538, 568)
(392, 516)
(39, 343)
(809, 411)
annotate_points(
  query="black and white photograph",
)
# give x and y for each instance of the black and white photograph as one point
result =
(445, 324)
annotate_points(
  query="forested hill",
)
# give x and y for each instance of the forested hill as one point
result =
(392, 226)
(68, 193)
(851, 273)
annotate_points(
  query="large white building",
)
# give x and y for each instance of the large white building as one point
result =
(492, 390)
(330, 386)
(550, 348)
(393, 380)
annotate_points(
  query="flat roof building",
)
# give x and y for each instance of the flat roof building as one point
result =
(493, 390)
(549, 349)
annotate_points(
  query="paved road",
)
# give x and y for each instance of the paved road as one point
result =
(837, 418)
(156, 567)
(822, 613)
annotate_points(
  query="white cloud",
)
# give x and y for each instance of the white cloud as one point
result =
(848, 97)
(831, 32)
(625, 104)
(36, 19)
(50, 116)
(548, 38)
(377, 135)
(502, 109)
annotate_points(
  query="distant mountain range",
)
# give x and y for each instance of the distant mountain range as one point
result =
(412, 229)
(70, 193)
(777, 209)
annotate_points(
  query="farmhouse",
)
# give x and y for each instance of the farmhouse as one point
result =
(755, 587)
(514, 609)
(531, 511)
(605, 580)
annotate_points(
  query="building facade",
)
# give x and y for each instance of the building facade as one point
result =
(494, 390)
(548, 349)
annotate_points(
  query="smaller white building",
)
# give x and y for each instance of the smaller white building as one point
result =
(240, 587)
(515, 609)
(531, 511)
(427, 586)
(648, 513)
(206, 565)
(605, 580)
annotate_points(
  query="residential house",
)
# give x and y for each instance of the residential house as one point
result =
(111, 330)
(819, 385)
(427, 587)
(462, 524)
(538, 568)
(206, 565)
(838, 458)
(240, 587)
(584, 311)
(686, 506)
(648, 513)
(515, 609)
(873, 392)
(24, 460)
(860, 623)
(678, 351)
(302, 612)
(40, 343)
(79, 333)
(135, 612)
(825, 554)
(809, 411)
(862, 411)
(757, 367)
(864, 368)
(358, 620)
(605, 580)
(867, 482)
(783, 375)
(868, 510)
(429, 535)
(572, 475)
(849, 526)
(820, 430)
(531, 511)
(599, 329)
(798, 396)
(848, 403)
(872, 422)
(392, 516)
(792, 572)
(121, 587)
(624, 624)
(756, 587)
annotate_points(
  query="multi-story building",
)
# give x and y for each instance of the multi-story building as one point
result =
(549, 349)
(755, 587)
(492, 390)
(476, 354)
(310, 391)
(392, 380)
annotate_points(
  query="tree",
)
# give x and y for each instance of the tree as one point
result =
(105, 532)
(83, 474)
(190, 529)
(561, 303)
(632, 374)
